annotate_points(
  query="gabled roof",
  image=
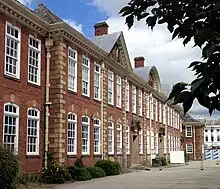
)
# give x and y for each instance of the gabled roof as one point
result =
(106, 42)
(47, 15)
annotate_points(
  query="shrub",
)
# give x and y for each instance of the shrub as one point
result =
(27, 178)
(156, 162)
(187, 157)
(54, 173)
(96, 172)
(9, 168)
(79, 162)
(79, 173)
(163, 161)
(109, 167)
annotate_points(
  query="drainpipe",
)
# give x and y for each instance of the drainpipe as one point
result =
(166, 130)
(151, 106)
(102, 107)
(48, 43)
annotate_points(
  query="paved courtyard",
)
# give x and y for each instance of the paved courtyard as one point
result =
(185, 177)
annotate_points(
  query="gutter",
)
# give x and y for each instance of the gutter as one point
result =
(49, 44)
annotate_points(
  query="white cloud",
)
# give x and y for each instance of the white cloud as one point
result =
(25, 2)
(76, 26)
(170, 57)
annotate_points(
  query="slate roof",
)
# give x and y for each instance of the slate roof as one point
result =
(143, 72)
(189, 118)
(106, 42)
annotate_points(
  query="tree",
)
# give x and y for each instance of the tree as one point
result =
(197, 20)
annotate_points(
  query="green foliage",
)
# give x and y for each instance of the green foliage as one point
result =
(9, 168)
(28, 178)
(163, 161)
(159, 161)
(110, 167)
(96, 172)
(156, 162)
(79, 173)
(196, 20)
(54, 173)
(187, 157)
(79, 162)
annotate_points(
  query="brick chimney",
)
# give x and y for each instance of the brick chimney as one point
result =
(101, 28)
(139, 62)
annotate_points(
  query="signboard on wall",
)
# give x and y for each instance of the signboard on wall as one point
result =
(177, 157)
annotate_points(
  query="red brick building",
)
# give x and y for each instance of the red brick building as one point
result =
(65, 93)
(193, 138)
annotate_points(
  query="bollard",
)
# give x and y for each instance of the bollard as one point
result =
(202, 165)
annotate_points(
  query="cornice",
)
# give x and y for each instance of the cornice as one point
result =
(198, 124)
(24, 15)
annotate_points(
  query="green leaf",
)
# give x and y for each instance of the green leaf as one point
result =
(196, 83)
(194, 63)
(175, 33)
(187, 104)
(130, 21)
(177, 88)
(210, 50)
(125, 9)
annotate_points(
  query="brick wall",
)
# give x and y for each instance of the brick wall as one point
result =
(23, 94)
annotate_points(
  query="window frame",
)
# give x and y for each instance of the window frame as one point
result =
(119, 143)
(191, 130)
(140, 102)
(38, 131)
(88, 139)
(74, 122)
(113, 137)
(189, 144)
(88, 71)
(112, 86)
(39, 50)
(156, 109)
(74, 89)
(99, 87)
(17, 115)
(99, 142)
(118, 91)
(148, 106)
(141, 142)
(18, 40)
(128, 145)
(127, 96)
(134, 98)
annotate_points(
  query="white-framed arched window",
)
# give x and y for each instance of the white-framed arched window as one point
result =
(11, 127)
(97, 134)
(33, 131)
(72, 134)
(85, 135)
(110, 137)
(127, 139)
(119, 138)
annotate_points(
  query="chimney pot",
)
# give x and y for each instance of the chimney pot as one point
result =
(139, 62)
(101, 28)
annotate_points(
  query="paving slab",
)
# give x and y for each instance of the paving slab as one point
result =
(184, 177)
